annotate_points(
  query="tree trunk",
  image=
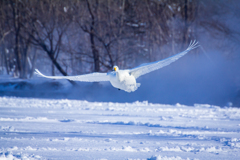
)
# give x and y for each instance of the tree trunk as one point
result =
(5, 58)
(59, 67)
(17, 54)
(95, 54)
(185, 36)
(93, 46)
(56, 64)
(53, 70)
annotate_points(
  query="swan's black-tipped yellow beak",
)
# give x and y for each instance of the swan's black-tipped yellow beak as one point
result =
(115, 68)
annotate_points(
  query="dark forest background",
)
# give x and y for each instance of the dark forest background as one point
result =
(73, 37)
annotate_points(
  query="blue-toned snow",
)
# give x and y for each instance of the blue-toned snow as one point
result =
(75, 129)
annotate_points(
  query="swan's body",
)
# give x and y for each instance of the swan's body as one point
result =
(125, 79)
(121, 79)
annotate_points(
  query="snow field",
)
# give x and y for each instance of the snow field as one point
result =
(73, 129)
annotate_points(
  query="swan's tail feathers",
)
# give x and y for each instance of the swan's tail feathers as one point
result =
(37, 72)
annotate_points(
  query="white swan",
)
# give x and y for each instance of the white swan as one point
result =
(125, 79)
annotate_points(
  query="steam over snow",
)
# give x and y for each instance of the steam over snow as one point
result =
(74, 129)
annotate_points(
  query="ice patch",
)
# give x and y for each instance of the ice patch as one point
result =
(66, 120)
(128, 149)
(174, 149)
(212, 149)
(7, 129)
(19, 156)
(29, 148)
(30, 119)
(145, 150)
(64, 139)
(167, 158)
(8, 156)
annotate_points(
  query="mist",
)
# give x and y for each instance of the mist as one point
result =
(188, 81)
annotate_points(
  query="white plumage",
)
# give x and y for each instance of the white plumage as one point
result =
(125, 79)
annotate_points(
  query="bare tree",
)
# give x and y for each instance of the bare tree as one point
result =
(46, 27)
(14, 12)
(103, 22)
(4, 31)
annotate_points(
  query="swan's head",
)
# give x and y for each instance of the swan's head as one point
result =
(115, 68)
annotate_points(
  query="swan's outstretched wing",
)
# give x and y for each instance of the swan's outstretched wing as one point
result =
(149, 67)
(92, 77)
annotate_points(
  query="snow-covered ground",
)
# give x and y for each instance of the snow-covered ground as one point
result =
(74, 129)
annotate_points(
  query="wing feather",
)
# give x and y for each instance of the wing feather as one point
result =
(92, 77)
(149, 67)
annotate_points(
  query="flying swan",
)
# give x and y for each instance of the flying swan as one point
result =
(125, 79)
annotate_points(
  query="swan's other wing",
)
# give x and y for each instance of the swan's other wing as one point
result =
(149, 67)
(91, 77)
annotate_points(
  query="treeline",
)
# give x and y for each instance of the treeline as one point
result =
(82, 36)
